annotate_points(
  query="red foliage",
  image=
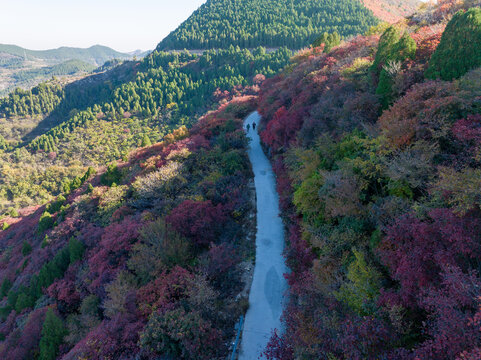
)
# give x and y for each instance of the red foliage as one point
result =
(451, 305)
(199, 221)
(283, 184)
(281, 130)
(364, 338)
(113, 339)
(259, 79)
(468, 129)
(422, 113)
(416, 251)
(427, 42)
(445, 8)
(164, 293)
(278, 348)
(23, 344)
(65, 291)
(90, 234)
(299, 254)
(197, 142)
(111, 253)
(220, 263)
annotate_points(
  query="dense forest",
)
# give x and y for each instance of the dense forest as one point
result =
(376, 149)
(251, 23)
(69, 67)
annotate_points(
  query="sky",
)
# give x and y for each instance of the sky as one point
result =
(124, 25)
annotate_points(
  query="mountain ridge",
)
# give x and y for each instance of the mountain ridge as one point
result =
(95, 54)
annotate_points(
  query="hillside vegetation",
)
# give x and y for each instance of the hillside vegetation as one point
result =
(127, 203)
(54, 128)
(70, 67)
(140, 260)
(251, 23)
(380, 193)
(53, 131)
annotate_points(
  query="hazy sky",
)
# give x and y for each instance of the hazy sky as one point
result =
(124, 25)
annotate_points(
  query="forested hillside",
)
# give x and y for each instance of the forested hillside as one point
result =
(126, 198)
(140, 260)
(251, 23)
(69, 67)
(51, 132)
(376, 149)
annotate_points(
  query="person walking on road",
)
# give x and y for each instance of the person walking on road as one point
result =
(254, 126)
(248, 126)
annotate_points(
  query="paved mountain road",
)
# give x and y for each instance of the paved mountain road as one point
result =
(269, 288)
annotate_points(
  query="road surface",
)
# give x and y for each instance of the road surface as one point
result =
(269, 288)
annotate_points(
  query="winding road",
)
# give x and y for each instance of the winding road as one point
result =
(269, 288)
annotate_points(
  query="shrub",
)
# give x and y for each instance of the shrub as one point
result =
(362, 289)
(460, 47)
(55, 206)
(117, 294)
(164, 179)
(200, 221)
(160, 248)
(112, 176)
(14, 213)
(46, 222)
(181, 334)
(26, 248)
(422, 113)
(110, 201)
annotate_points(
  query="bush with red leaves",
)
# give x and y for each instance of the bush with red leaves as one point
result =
(200, 221)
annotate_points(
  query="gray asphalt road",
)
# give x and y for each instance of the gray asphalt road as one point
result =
(269, 288)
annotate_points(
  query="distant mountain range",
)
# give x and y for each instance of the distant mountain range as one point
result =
(24, 68)
(95, 55)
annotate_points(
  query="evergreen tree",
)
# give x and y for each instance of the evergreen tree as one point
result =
(76, 250)
(53, 332)
(460, 48)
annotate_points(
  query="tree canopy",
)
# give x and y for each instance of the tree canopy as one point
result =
(251, 23)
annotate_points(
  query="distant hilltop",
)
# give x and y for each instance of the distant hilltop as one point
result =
(95, 55)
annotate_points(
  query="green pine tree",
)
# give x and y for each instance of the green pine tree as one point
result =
(460, 48)
(53, 332)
